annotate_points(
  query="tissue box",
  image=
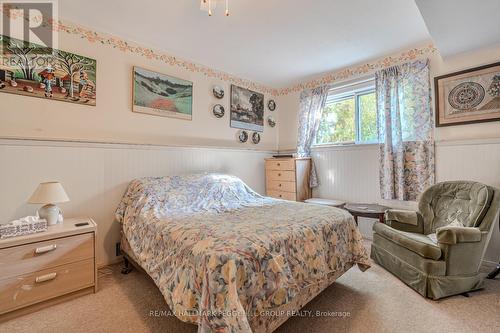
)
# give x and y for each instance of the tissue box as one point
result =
(22, 227)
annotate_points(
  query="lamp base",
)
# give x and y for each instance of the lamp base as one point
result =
(49, 212)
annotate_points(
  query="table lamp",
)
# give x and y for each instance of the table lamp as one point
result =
(49, 194)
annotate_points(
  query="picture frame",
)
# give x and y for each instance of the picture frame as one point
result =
(160, 94)
(246, 109)
(218, 111)
(271, 105)
(33, 70)
(468, 97)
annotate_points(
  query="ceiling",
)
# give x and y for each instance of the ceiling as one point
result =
(273, 42)
(461, 25)
(282, 42)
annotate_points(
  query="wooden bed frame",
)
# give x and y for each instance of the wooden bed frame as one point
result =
(262, 323)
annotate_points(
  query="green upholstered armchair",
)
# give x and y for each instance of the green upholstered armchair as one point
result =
(437, 251)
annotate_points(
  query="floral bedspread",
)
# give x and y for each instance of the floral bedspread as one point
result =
(220, 253)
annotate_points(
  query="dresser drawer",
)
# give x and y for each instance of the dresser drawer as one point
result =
(19, 291)
(282, 195)
(288, 176)
(280, 164)
(277, 185)
(37, 256)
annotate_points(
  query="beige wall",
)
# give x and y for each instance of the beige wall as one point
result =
(290, 104)
(112, 120)
(350, 173)
(95, 176)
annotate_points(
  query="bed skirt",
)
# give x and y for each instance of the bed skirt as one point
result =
(270, 319)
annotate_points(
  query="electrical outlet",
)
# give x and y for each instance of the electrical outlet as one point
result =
(118, 250)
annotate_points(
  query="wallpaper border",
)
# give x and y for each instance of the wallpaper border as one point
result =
(342, 74)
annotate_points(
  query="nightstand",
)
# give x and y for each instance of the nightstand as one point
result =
(49, 267)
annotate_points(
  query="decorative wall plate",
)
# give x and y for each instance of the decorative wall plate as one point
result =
(256, 137)
(218, 92)
(243, 136)
(271, 122)
(218, 110)
(271, 105)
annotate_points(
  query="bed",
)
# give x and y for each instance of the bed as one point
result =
(228, 259)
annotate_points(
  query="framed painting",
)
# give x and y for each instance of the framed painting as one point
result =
(247, 109)
(469, 96)
(162, 95)
(33, 70)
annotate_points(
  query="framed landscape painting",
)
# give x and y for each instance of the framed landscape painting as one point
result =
(247, 109)
(33, 70)
(469, 96)
(162, 95)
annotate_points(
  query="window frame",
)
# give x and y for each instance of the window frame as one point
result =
(356, 93)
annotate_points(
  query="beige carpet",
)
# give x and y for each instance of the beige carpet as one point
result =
(375, 300)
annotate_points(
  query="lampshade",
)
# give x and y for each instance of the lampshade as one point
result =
(49, 193)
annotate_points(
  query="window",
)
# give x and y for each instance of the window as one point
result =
(350, 116)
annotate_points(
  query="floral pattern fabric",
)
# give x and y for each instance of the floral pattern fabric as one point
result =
(405, 128)
(221, 253)
(312, 103)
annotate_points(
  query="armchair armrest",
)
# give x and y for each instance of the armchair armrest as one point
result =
(454, 235)
(405, 220)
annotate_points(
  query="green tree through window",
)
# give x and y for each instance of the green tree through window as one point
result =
(351, 118)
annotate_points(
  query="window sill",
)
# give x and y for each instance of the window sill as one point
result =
(344, 146)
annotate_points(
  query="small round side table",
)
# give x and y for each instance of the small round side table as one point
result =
(366, 210)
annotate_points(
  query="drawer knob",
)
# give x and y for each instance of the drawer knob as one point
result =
(279, 174)
(46, 277)
(280, 195)
(279, 164)
(45, 249)
(279, 185)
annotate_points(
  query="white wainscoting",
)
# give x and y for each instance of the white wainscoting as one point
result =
(350, 173)
(95, 175)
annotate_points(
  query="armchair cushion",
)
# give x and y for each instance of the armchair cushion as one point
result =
(418, 243)
(453, 235)
(465, 202)
(405, 220)
(402, 216)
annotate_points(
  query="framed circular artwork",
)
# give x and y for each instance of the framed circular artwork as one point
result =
(218, 92)
(255, 137)
(271, 105)
(271, 122)
(218, 110)
(243, 136)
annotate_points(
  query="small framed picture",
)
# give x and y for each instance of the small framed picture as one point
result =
(243, 136)
(218, 92)
(271, 105)
(256, 138)
(161, 95)
(469, 96)
(247, 109)
(218, 111)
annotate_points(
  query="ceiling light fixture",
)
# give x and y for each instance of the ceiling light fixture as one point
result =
(208, 5)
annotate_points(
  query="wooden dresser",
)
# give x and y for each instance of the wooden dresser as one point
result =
(41, 269)
(288, 178)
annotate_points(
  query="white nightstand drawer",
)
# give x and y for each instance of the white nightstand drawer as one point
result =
(37, 256)
(19, 291)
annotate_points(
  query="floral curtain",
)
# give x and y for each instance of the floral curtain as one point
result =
(311, 106)
(405, 130)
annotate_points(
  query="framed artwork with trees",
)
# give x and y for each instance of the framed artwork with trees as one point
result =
(32, 70)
